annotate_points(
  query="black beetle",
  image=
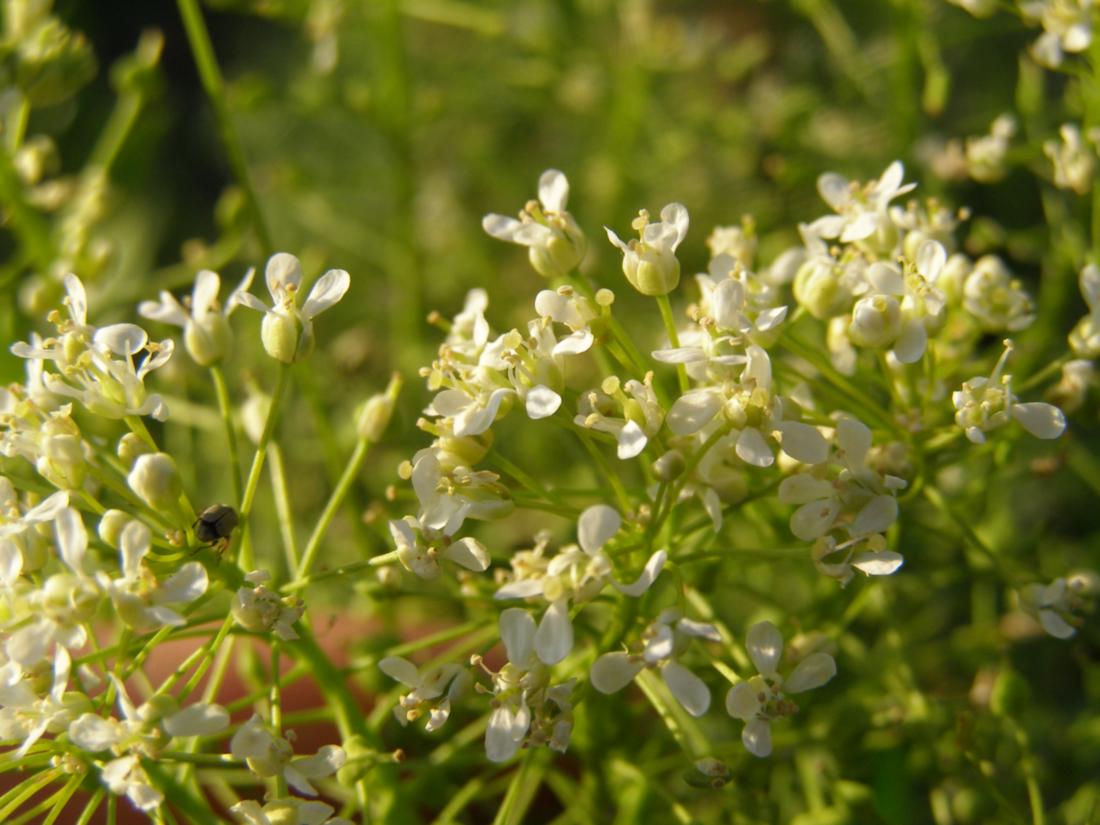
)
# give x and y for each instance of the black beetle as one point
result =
(215, 524)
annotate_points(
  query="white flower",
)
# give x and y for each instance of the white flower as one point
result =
(142, 602)
(206, 333)
(262, 610)
(448, 499)
(1067, 28)
(664, 640)
(763, 698)
(125, 776)
(287, 330)
(555, 243)
(997, 300)
(1085, 337)
(427, 687)
(650, 263)
(859, 499)
(861, 210)
(1058, 605)
(422, 558)
(575, 574)
(1073, 159)
(270, 755)
(527, 709)
(985, 404)
(630, 412)
(985, 155)
(97, 366)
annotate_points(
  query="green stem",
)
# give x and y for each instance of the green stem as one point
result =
(246, 561)
(281, 493)
(92, 806)
(612, 479)
(673, 338)
(225, 407)
(214, 85)
(351, 470)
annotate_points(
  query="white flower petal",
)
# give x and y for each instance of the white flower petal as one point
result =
(614, 671)
(854, 439)
(72, 539)
(700, 630)
(803, 488)
(765, 645)
(197, 720)
(327, 761)
(631, 441)
(553, 190)
(554, 637)
(574, 344)
(542, 402)
(649, 575)
(757, 737)
(93, 733)
(742, 701)
(522, 589)
(401, 670)
(1041, 420)
(1055, 625)
(596, 526)
(877, 516)
(326, 293)
(121, 339)
(282, 270)
(813, 671)
(517, 631)
(878, 564)
(504, 734)
(803, 442)
(886, 278)
(679, 355)
(912, 342)
(689, 689)
(753, 449)
(185, 585)
(811, 521)
(205, 293)
(469, 553)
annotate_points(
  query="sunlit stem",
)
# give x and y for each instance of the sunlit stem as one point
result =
(225, 407)
(245, 560)
(673, 338)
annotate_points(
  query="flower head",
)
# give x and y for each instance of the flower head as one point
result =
(287, 329)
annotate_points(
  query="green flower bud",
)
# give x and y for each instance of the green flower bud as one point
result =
(111, 525)
(670, 466)
(876, 321)
(130, 447)
(284, 338)
(210, 340)
(375, 414)
(818, 288)
(157, 481)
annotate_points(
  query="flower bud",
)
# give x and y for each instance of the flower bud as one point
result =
(111, 525)
(285, 338)
(209, 340)
(670, 466)
(652, 275)
(157, 481)
(375, 414)
(876, 321)
(818, 288)
(130, 446)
